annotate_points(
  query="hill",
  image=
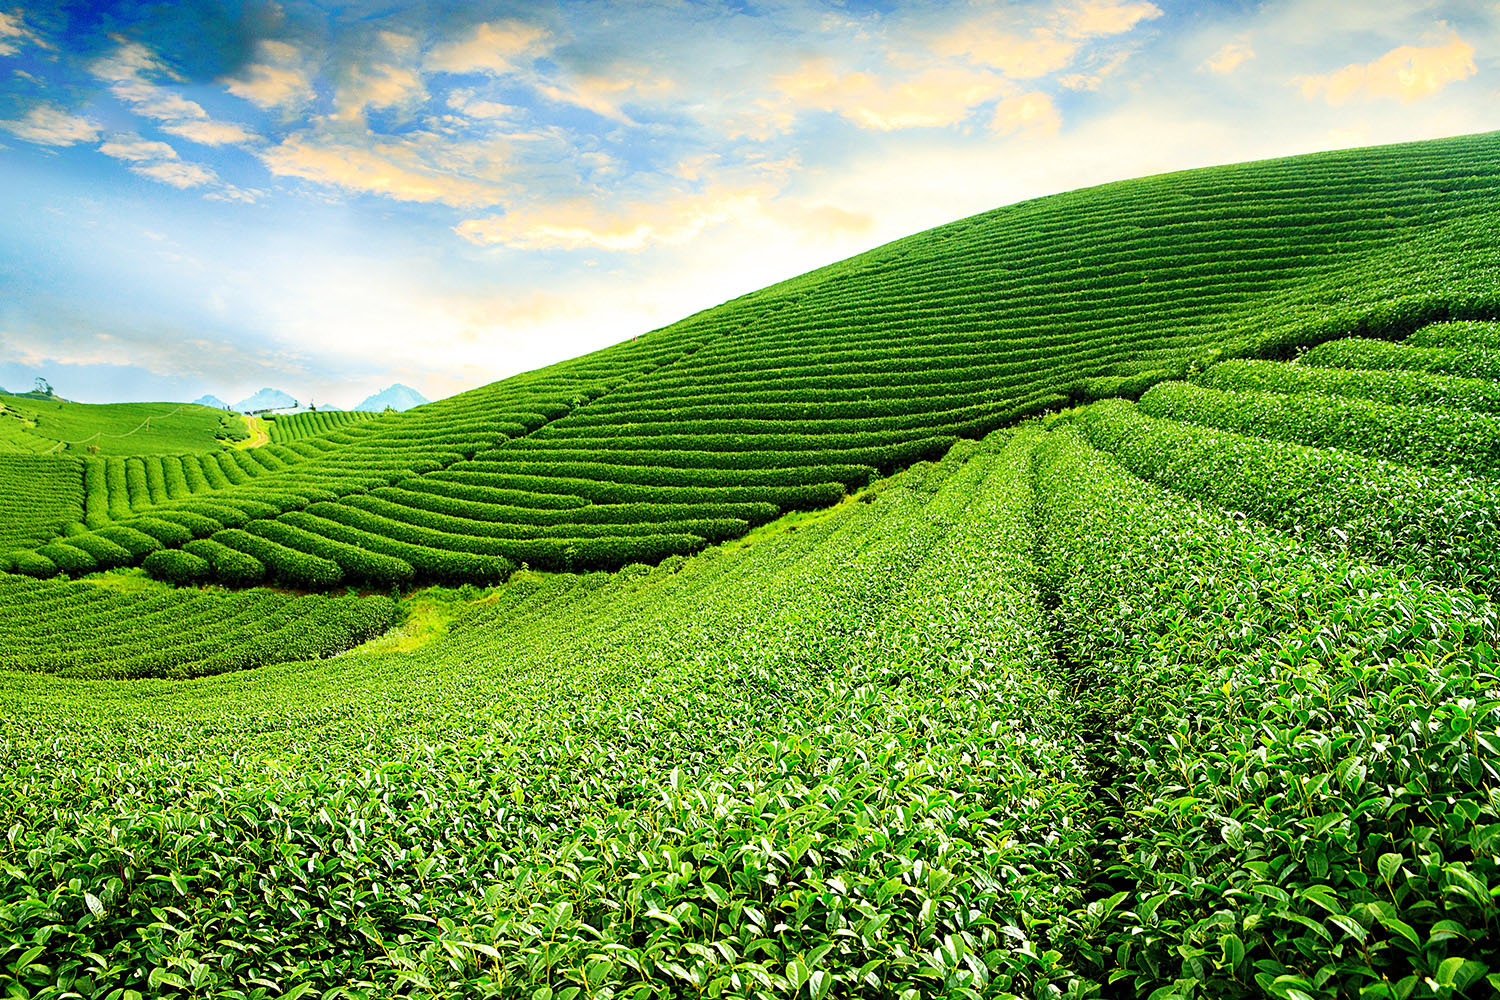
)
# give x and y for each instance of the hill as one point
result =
(1162, 663)
(786, 398)
(397, 397)
(211, 400)
(39, 424)
(265, 399)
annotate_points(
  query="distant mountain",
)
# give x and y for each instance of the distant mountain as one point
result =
(397, 397)
(211, 400)
(266, 399)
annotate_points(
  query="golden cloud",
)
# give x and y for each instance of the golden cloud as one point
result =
(277, 79)
(1026, 112)
(494, 47)
(1229, 57)
(368, 164)
(938, 96)
(1407, 74)
(578, 224)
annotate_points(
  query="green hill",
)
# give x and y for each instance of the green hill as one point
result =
(786, 398)
(1088, 599)
(38, 424)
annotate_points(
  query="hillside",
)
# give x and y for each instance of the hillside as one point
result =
(786, 398)
(1089, 599)
(39, 425)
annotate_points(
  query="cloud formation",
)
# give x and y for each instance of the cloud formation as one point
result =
(1407, 73)
(496, 48)
(667, 221)
(177, 173)
(402, 169)
(279, 78)
(1026, 111)
(134, 149)
(1229, 57)
(47, 125)
(14, 34)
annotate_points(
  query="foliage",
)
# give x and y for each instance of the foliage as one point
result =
(1303, 749)
(1191, 697)
(35, 423)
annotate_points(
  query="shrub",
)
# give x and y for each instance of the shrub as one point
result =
(177, 566)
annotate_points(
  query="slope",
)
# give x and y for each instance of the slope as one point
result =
(31, 423)
(1190, 692)
(786, 398)
(1019, 723)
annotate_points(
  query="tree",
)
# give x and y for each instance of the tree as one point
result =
(43, 386)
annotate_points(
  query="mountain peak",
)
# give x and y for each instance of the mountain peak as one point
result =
(397, 397)
(266, 399)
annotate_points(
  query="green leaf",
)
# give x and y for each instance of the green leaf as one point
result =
(1389, 865)
(796, 973)
(1232, 950)
(1350, 926)
(297, 991)
(819, 983)
(483, 949)
(1459, 973)
(93, 902)
(1397, 926)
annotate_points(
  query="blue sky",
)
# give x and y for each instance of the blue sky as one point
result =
(212, 197)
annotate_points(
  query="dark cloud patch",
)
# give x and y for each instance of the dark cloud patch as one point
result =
(201, 40)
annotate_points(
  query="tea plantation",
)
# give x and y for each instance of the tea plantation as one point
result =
(1092, 598)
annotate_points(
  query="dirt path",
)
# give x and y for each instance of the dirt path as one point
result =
(260, 433)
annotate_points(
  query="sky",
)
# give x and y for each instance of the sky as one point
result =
(212, 197)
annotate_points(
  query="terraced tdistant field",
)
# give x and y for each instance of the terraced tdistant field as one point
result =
(1090, 598)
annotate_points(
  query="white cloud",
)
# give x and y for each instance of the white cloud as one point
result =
(386, 78)
(1028, 51)
(211, 133)
(1093, 79)
(579, 224)
(159, 162)
(128, 71)
(1026, 112)
(994, 44)
(14, 34)
(379, 86)
(1408, 73)
(1097, 18)
(496, 47)
(407, 168)
(466, 103)
(127, 63)
(177, 173)
(1229, 57)
(277, 79)
(47, 125)
(134, 149)
(934, 97)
